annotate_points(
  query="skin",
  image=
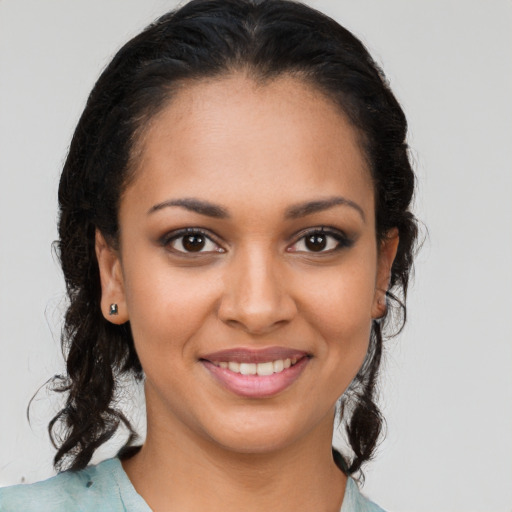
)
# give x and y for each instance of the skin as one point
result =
(256, 151)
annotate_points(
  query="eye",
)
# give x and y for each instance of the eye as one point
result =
(191, 241)
(320, 241)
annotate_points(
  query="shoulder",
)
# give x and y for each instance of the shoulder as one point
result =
(355, 501)
(90, 489)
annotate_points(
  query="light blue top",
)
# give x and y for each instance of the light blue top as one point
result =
(107, 488)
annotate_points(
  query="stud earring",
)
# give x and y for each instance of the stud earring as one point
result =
(113, 309)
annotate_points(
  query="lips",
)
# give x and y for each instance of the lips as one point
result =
(245, 355)
(261, 369)
(256, 373)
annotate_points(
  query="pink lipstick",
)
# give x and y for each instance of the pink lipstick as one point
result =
(258, 373)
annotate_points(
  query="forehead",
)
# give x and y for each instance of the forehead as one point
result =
(235, 133)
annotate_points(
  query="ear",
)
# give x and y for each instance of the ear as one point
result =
(385, 258)
(112, 281)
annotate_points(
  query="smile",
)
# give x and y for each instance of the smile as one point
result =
(261, 369)
(259, 373)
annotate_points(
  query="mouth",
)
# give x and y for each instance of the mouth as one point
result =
(261, 369)
(256, 373)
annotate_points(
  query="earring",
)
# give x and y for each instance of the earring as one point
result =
(113, 309)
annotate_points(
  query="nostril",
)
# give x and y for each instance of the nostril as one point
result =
(255, 299)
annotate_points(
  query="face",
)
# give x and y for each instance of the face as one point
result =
(248, 265)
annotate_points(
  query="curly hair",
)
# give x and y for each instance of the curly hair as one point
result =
(202, 40)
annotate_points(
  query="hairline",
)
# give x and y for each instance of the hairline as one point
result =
(261, 79)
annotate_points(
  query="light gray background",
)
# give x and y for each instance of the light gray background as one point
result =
(447, 389)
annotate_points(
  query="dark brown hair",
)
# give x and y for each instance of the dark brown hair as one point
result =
(201, 40)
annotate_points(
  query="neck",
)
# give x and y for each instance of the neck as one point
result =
(180, 470)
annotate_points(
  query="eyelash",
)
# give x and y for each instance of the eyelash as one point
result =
(168, 239)
(341, 241)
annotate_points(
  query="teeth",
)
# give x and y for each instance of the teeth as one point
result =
(248, 368)
(234, 367)
(267, 368)
(278, 366)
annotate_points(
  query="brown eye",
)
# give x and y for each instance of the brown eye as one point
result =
(321, 241)
(191, 241)
(316, 242)
(194, 243)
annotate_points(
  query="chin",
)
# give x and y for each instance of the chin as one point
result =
(257, 444)
(253, 435)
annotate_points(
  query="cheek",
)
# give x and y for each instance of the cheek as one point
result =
(167, 307)
(340, 306)
(342, 302)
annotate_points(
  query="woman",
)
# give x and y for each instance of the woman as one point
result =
(234, 225)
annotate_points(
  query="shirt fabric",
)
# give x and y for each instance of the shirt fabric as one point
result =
(107, 488)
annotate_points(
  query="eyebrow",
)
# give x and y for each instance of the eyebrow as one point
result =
(310, 207)
(195, 205)
(293, 212)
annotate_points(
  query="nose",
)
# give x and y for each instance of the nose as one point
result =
(256, 295)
